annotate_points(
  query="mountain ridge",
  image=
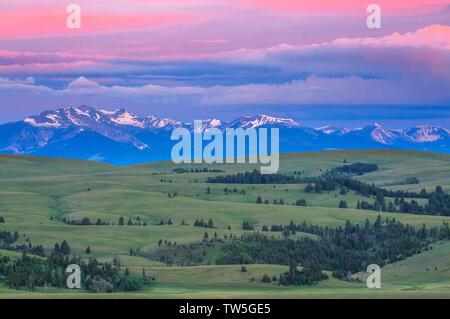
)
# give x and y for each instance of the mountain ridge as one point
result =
(148, 138)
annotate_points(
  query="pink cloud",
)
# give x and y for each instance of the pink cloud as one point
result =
(210, 41)
(51, 22)
(434, 36)
(398, 7)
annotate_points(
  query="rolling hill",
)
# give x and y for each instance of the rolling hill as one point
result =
(37, 193)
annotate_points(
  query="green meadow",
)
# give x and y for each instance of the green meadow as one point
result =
(36, 194)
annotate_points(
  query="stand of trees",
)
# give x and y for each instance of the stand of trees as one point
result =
(201, 223)
(350, 248)
(28, 272)
(7, 240)
(438, 201)
(247, 226)
(254, 177)
(85, 222)
(341, 250)
(310, 274)
(357, 168)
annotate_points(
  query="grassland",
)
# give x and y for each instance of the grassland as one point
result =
(37, 193)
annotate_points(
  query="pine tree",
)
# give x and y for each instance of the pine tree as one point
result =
(300, 202)
(64, 248)
(342, 204)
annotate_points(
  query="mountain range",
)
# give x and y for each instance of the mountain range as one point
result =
(120, 137)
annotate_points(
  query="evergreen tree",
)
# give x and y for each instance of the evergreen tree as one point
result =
(265, 279)
(342, 204)
(64, 248)
(300, 202)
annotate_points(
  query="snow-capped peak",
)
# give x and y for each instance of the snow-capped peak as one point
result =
(154, 122)
(330, 129)
(123, 117)
(380, 134)
(209, 123)
(427, 133)
(261, 120)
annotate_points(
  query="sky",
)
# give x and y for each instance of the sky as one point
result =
(313, 60)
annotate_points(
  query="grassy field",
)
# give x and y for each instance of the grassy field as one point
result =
(405, 279)
(37, 193)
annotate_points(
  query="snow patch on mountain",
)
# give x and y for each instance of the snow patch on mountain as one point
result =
(427, 133)
(108, 112)
(44, 122)
(261, 120)
(161, 123)
(126, 118)
(330, 129)
(81, 112)
(207, 124)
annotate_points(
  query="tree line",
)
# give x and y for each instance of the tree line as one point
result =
(344, 249)
(438, 200)
(350, 248)
(29, 272)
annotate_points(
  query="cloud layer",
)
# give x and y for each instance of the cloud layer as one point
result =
(222, 53)
(410, 68)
